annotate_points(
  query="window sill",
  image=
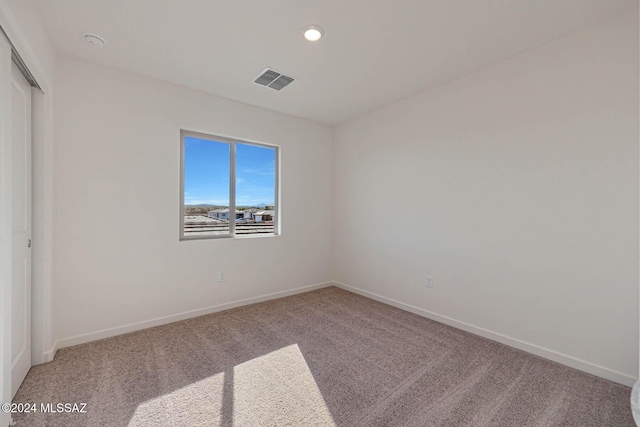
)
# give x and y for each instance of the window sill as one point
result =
(242, 237)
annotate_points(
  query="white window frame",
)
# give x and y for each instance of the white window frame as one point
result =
(232, 186)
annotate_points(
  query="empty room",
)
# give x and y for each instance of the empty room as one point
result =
(319, 213)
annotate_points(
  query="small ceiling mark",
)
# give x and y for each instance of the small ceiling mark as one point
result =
(94, 40)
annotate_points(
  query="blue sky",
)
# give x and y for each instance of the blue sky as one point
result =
(206, 170)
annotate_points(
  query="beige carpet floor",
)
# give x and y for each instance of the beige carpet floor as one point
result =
(327, 357)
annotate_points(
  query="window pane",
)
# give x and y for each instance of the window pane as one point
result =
(255, 189)
(206, 187)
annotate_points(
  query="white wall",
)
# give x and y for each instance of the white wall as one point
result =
(516, 188)
(117, 255)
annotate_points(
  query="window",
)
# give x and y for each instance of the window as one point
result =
(229, 188)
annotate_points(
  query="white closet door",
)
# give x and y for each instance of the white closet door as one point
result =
(21, 228)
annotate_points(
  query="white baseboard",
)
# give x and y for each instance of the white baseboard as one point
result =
(590, 368)
(132, 327)
(48, 356)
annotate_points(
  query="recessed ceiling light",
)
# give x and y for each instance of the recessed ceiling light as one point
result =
(313, 33)
(93, 40)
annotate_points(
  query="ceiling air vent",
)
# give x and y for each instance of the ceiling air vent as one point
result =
(273, 79)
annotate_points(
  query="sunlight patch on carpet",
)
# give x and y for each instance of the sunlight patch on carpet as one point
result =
(272, 390)
(198, 404)
(278, 389)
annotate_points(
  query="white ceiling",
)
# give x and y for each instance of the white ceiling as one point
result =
(374, 52)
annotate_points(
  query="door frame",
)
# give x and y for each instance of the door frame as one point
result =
(42, 347)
